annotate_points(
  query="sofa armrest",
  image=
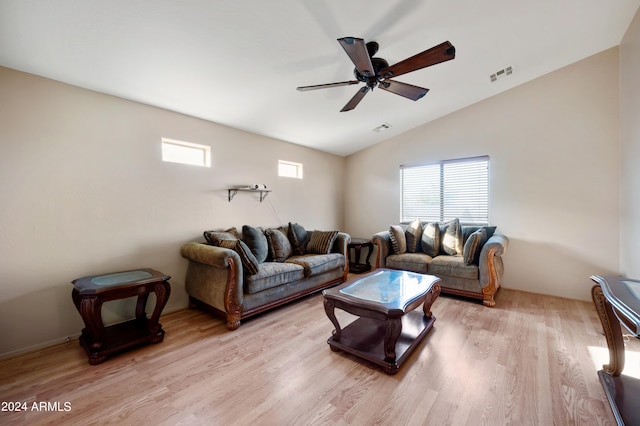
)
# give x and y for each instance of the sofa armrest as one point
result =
(382, 243)
(215, 277)
(219, 257)
(341, 246)
(490, 264)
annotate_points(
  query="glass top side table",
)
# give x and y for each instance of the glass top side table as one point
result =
(617, 301)
(89, 293)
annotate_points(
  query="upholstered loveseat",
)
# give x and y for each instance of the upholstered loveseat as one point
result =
(236, 275)
(467, 259)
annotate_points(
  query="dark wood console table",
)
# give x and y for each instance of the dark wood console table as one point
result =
(617, 301)
(90, 292)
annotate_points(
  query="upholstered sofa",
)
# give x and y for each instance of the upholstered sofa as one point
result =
(467, 259)
(236, 275)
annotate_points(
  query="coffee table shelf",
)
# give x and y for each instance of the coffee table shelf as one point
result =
(364, 338)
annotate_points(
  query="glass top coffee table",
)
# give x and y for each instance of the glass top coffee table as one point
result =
(389, 327)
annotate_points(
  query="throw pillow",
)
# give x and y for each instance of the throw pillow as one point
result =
(398, 240)
(471, 250)
(430, 241)
(451, 238)
(321, 242)
(298, 238)
(214, 237)
(412, 235)
(490, 231)
(255, 239)
(279, 245)
(249, 261)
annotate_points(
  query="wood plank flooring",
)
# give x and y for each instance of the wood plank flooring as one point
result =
(528, 361)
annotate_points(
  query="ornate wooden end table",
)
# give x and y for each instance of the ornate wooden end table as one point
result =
(357, 244)
(617, 301)
(389, 328)
(90, 292)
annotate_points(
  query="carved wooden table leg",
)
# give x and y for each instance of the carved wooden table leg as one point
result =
(612, 331)
(431, 297)
(393, 328)
(162, 291)
(329, 308)
(141, 306)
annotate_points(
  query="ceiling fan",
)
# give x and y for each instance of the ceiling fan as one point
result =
(377, 72)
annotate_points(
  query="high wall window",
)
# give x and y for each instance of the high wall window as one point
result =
(445, 190)
(175, 151)
(289, 169)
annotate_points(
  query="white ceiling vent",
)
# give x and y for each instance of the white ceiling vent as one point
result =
(501, 74)
(382, 127)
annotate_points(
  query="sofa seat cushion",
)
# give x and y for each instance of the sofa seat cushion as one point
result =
(414, 262)
(272, 274)
(315, 264)
(452, 266)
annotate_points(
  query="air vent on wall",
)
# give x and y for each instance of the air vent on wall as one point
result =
(380, 128)
(501, 74)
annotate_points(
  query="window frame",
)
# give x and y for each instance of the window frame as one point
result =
(205, 149)
(298, 168)
(449, 204)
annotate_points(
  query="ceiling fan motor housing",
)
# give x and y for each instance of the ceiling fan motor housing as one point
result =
(378, 65)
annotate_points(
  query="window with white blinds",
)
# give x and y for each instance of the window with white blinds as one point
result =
(445, 190)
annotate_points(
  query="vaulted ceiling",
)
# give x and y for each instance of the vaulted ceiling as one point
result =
(238, 63)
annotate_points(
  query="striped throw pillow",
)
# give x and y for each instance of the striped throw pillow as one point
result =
(321, 242)
(398, 240)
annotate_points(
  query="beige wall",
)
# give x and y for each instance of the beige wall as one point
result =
(83, 191)
(553, 144)
(630, 147)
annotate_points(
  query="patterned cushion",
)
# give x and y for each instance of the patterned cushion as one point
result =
(413, 234)
(451, 238)
(316, 264)
(214, 237)
(414, 262)
(398, 240)
(249, 262)
(471, 250)
(271, 275)
(298, 238)
(279, 245)
(452, 266)
(321, 242)
(255, 239)
(430, 240)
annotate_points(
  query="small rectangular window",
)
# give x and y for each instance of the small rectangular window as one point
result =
(289, 169)
(174, 151)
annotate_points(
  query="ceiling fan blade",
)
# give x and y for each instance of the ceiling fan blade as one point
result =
(357, 51)
(326, 86)
(409, 91)
(356, 99)
(437, 54)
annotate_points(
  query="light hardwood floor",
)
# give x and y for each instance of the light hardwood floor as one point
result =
(528, 361)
